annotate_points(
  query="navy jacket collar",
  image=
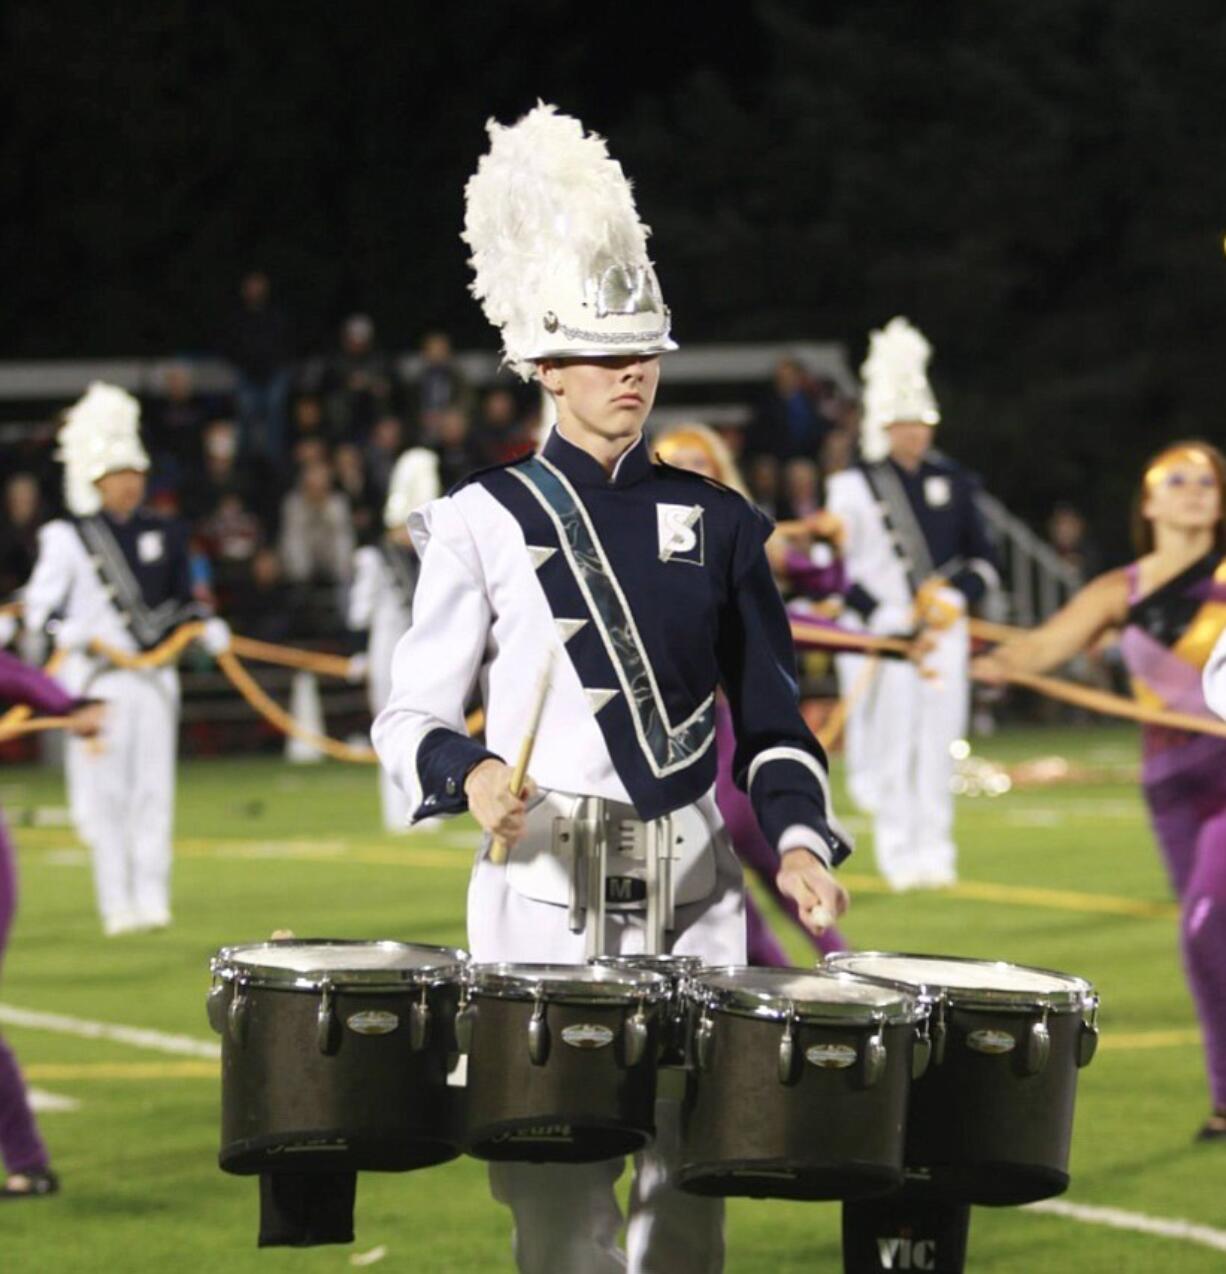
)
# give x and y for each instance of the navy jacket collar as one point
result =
(585, 471)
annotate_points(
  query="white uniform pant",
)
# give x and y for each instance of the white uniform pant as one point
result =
(567, 1218)
(900, 761)
(121, 788)
(393, 802)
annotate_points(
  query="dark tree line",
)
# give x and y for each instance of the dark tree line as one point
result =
(1041, 187)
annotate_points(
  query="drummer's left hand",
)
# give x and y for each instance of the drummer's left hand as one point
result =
(821, 899)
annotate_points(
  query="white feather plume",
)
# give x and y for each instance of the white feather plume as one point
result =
(414, 482)
(545, 188)
(100, 434)
(896, 388)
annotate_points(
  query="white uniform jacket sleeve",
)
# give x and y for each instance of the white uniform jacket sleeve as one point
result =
(367, 577)
(421, 736)
(50, 583)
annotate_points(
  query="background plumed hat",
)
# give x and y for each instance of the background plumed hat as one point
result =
(100, 435)
(414, 482)
(558, 251)
(896, 388)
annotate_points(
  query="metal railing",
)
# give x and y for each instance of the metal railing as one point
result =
(1037, 580)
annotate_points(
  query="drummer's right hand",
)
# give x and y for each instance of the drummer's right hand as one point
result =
(488, 788)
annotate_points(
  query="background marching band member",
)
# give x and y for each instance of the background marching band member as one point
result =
(21, 1148)
(1171, 605)
(652, 588)
(381, 596)
(701, 450)
(116, 573)
(917, 554)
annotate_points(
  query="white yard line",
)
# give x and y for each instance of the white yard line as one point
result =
(136, 1036)
(1137, 1222)
(43, 1102)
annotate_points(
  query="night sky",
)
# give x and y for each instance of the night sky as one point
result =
(1042, 188)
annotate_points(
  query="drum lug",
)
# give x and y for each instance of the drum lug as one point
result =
(788, 1053)
(921, 1053)
(215, 1007)
(236, 1016)
(465, 1020)
(1087, 1041)
(704, 1042)
(939, 1034)
(1038, 1045)
(419, 1023)
(325, 1021)
(874, 1058)
(538, 1034)
(636, 1036)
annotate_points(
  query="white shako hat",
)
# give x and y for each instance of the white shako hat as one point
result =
(414, 482)
(896, 387)
(558, 250)
(100, 435)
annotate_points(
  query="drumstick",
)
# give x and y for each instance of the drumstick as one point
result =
(498, 847)
(821, 917)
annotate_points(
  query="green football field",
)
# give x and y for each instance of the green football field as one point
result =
(1058, 874)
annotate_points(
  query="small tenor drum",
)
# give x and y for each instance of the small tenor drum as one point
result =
(561, 1060)
(992, 1118)
(677, 970)
(798, 1087)
(335, 1055)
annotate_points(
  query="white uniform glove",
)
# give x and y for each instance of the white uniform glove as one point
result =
(8, 629)
(888, 620)
(216, 636)
(359, 669)
(72, 634)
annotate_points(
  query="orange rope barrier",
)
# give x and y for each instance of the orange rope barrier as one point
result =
(308, 660)
(274, 713)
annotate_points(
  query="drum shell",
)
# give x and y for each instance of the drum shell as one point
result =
(982, 1129)
(371, 1102)
(828, 1135)
(580, 1105)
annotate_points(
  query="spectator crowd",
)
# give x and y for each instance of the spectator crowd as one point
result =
(286, 475)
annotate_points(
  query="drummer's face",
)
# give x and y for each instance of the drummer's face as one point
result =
(610, 397)
(1184, 495)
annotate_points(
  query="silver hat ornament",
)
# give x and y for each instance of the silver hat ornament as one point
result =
(558, 251)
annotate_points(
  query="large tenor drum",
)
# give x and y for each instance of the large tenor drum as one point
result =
(677, 970)
(992, 1118)
(799, 1081)
(335, 1055)
(561, 1060)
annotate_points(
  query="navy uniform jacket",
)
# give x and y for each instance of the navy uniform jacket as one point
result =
(654, 583)
(929, 523)
(127, 584)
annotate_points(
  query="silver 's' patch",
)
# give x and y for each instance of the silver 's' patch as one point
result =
(831, 1057)
(372, 1022)
(937, 491)
(680, 531)
(587, 1035)
(991, 1042)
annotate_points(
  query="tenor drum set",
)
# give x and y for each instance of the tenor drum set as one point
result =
(948, 1079)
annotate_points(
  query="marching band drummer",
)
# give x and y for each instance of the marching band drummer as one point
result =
(116, 573)
(917, 555)
(648, 587)
(381, 597)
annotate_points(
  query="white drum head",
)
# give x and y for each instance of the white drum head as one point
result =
(575, 983)
(308, 962)
(807, 993)
(969, 980)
